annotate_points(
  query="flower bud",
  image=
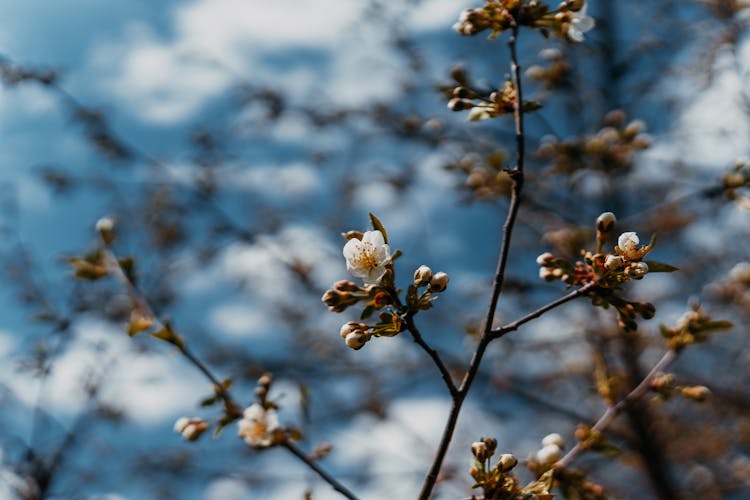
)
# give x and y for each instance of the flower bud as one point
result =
(491, 444)
(190, 428)
(479, 449)
(357, 340)
(634, 128)
(545, 259)
(613, 262)
(345, 286)
(638, 270)
(105, 226)
(549, 454)
(439, 282)
(351, 327)
(422, 276)
(696, 392)
(553, 439)
(605, 222)
(458, 104)
(506, 461)
(546, 274)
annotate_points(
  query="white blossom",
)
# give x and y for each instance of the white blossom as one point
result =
(105, 224)
(555, 439)
(258, 425)
(580, 23)
(628, 243)
(367, 258)
(549, 454)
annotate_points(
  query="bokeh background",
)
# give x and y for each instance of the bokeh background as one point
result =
(234, 140)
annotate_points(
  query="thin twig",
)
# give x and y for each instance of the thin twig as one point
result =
(499, 332)
(613, 410)
(417, 336)
(517, 177)
(323, 474)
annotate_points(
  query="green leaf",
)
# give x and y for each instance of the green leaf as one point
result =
(660, 267)
(530, 106)
(210, 401)
(376, 224)
(367, 312)
(717, 325)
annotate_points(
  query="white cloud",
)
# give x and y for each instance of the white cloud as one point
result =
(214, 41)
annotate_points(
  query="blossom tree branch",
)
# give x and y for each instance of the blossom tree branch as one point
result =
(613, 410)
(417, 336)
(517, 177)
(221, 391)
(322, 473)
(499, 332)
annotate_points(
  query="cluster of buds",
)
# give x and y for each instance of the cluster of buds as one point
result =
(665, 385)
(555, 74)
(483, 107)
(611, 149)
(737, 184)
(485, 177)
(692, 328)
(356, 335)
(368, 256)
(431, 283)
(608, 271)
(569, 21)
(191, 428)
(497, 481)
(550, 452)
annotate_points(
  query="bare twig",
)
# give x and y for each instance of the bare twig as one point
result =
(613, 410)
(314, 466)
(417, 336)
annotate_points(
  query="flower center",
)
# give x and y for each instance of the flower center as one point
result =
(366, 257)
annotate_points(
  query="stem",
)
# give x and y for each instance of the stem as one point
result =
(417, 336)
(499, 332)
(517, 177)
(615, 409)
(323, 474)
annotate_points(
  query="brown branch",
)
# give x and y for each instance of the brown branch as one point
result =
(499, 332)
(417, 336)
(323, 474)
(517, 177)
(613, 410)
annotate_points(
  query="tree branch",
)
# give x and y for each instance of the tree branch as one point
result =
(499, 332)
(517, 177)
(611, 412)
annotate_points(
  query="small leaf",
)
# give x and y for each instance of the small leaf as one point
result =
(531, 106)
(660, 267)
(210, 401)
(167, 334)
(367, 312)
(352, 235)
(376, 224)
(138, 322)
(608, 450)
(717, 325)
